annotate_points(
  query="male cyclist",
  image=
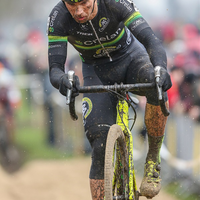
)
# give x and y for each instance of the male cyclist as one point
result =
(108, 35)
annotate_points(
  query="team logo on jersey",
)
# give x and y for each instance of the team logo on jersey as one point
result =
(50, 22)
(126, 4)
(103, 23)
(53, 18)
(83, 33)
(136, 23)
(84, 27)
(103, 51)
(106, 38)
(86, 108)
(51, 29)
(78, 42)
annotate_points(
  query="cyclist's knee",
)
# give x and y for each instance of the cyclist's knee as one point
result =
(97, 137)
(146, 74)
(96, 131)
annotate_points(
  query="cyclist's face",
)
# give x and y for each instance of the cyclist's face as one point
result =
(82, 11)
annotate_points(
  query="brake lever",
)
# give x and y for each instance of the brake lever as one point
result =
(160, 92)
(70, 74)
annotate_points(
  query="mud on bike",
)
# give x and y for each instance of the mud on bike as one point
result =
(119, 174)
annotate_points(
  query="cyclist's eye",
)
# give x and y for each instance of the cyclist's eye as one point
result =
(84, 2)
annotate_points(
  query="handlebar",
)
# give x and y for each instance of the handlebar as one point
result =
(121, 87)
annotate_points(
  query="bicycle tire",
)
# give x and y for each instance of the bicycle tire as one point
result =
(115, 134)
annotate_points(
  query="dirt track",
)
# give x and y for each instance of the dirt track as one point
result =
(51, 180)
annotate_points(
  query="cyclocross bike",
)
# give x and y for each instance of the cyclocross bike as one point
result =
(119, 175)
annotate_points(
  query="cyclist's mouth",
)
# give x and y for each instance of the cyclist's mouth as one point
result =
(80, 19)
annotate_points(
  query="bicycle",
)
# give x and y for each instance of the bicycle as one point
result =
(119, 174)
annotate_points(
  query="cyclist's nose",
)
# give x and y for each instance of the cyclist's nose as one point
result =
(78, 10)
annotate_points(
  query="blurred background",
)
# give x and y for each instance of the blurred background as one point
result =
(34, 120)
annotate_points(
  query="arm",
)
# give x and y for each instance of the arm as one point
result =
(127, 12)
(145, 35)
(130, 15)
(57, 56)
(153, 46)
(57, 51)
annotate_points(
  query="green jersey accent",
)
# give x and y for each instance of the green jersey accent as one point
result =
(132, 18)
(57, 38)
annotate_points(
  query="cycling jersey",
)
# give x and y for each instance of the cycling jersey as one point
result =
(106, 37)
(109, 24)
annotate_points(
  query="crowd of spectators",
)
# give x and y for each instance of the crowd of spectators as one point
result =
(182, 44)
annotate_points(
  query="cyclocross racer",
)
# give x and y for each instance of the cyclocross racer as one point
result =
(116, 45)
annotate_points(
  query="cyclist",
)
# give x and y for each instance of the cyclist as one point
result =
(116, 45)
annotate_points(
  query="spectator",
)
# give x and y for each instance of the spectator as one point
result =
(177, 77)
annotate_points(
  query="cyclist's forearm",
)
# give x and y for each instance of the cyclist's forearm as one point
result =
(153, 46)
(56, 71)
(57, 58)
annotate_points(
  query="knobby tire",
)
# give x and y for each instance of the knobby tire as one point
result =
(115, 135)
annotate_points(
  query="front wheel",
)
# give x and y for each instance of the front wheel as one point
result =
(116, 165)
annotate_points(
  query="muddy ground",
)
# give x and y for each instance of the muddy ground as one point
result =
(51, 180)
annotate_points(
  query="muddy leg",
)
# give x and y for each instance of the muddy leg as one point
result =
(97, 189)
(155, 123)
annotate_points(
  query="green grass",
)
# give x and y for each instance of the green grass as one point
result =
(176, 190)
(33, 144)
(30, 134)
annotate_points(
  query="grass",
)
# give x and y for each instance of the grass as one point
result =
(33, 144)
(181, 193)
(30, 134)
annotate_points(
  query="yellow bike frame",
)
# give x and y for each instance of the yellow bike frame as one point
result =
(123, 122)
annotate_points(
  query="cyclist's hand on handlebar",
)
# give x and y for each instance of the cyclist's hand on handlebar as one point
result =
(65, 84)
(165, 80)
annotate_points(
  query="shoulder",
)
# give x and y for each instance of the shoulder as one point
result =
(58, 18)
(120, 6)
(108, 2)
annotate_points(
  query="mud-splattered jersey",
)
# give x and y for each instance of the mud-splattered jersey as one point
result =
(114, 24)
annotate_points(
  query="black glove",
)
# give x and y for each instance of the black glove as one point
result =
(64, 85)
(165, 80)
